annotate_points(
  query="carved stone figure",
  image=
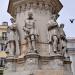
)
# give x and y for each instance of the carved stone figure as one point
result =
(55, 43)
(52, 27)
(62, 33)
(62, 40)
(53, 33)
(30, 31)
(11, 42)
(52, 22)
(13, 39)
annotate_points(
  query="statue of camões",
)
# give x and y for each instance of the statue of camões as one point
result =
(30, 32)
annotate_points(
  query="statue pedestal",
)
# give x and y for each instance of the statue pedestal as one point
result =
(31, 61)
(35, 64)
(41, 72)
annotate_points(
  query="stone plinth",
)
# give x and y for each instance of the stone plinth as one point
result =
(41, 65)
(31, 61)
(41, 72)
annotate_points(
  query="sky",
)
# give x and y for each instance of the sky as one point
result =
(67, 12)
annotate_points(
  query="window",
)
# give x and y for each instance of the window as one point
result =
(2, 46)
(2, 62)
(0, 35)
(4, 35)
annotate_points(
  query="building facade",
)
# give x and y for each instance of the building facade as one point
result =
(36, 44)
(3, 40)
(71, 51)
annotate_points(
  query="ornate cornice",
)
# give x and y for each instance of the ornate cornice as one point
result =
(54, 4)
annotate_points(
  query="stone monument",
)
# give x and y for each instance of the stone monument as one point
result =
(41, 42)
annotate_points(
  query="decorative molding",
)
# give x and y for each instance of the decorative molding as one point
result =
(55, 5)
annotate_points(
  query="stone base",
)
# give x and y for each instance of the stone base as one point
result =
(40, 65)
(31, 61)
(40, 72)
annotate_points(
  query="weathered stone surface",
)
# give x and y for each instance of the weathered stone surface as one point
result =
(39, 39)
(55, 4)
(41, 72)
